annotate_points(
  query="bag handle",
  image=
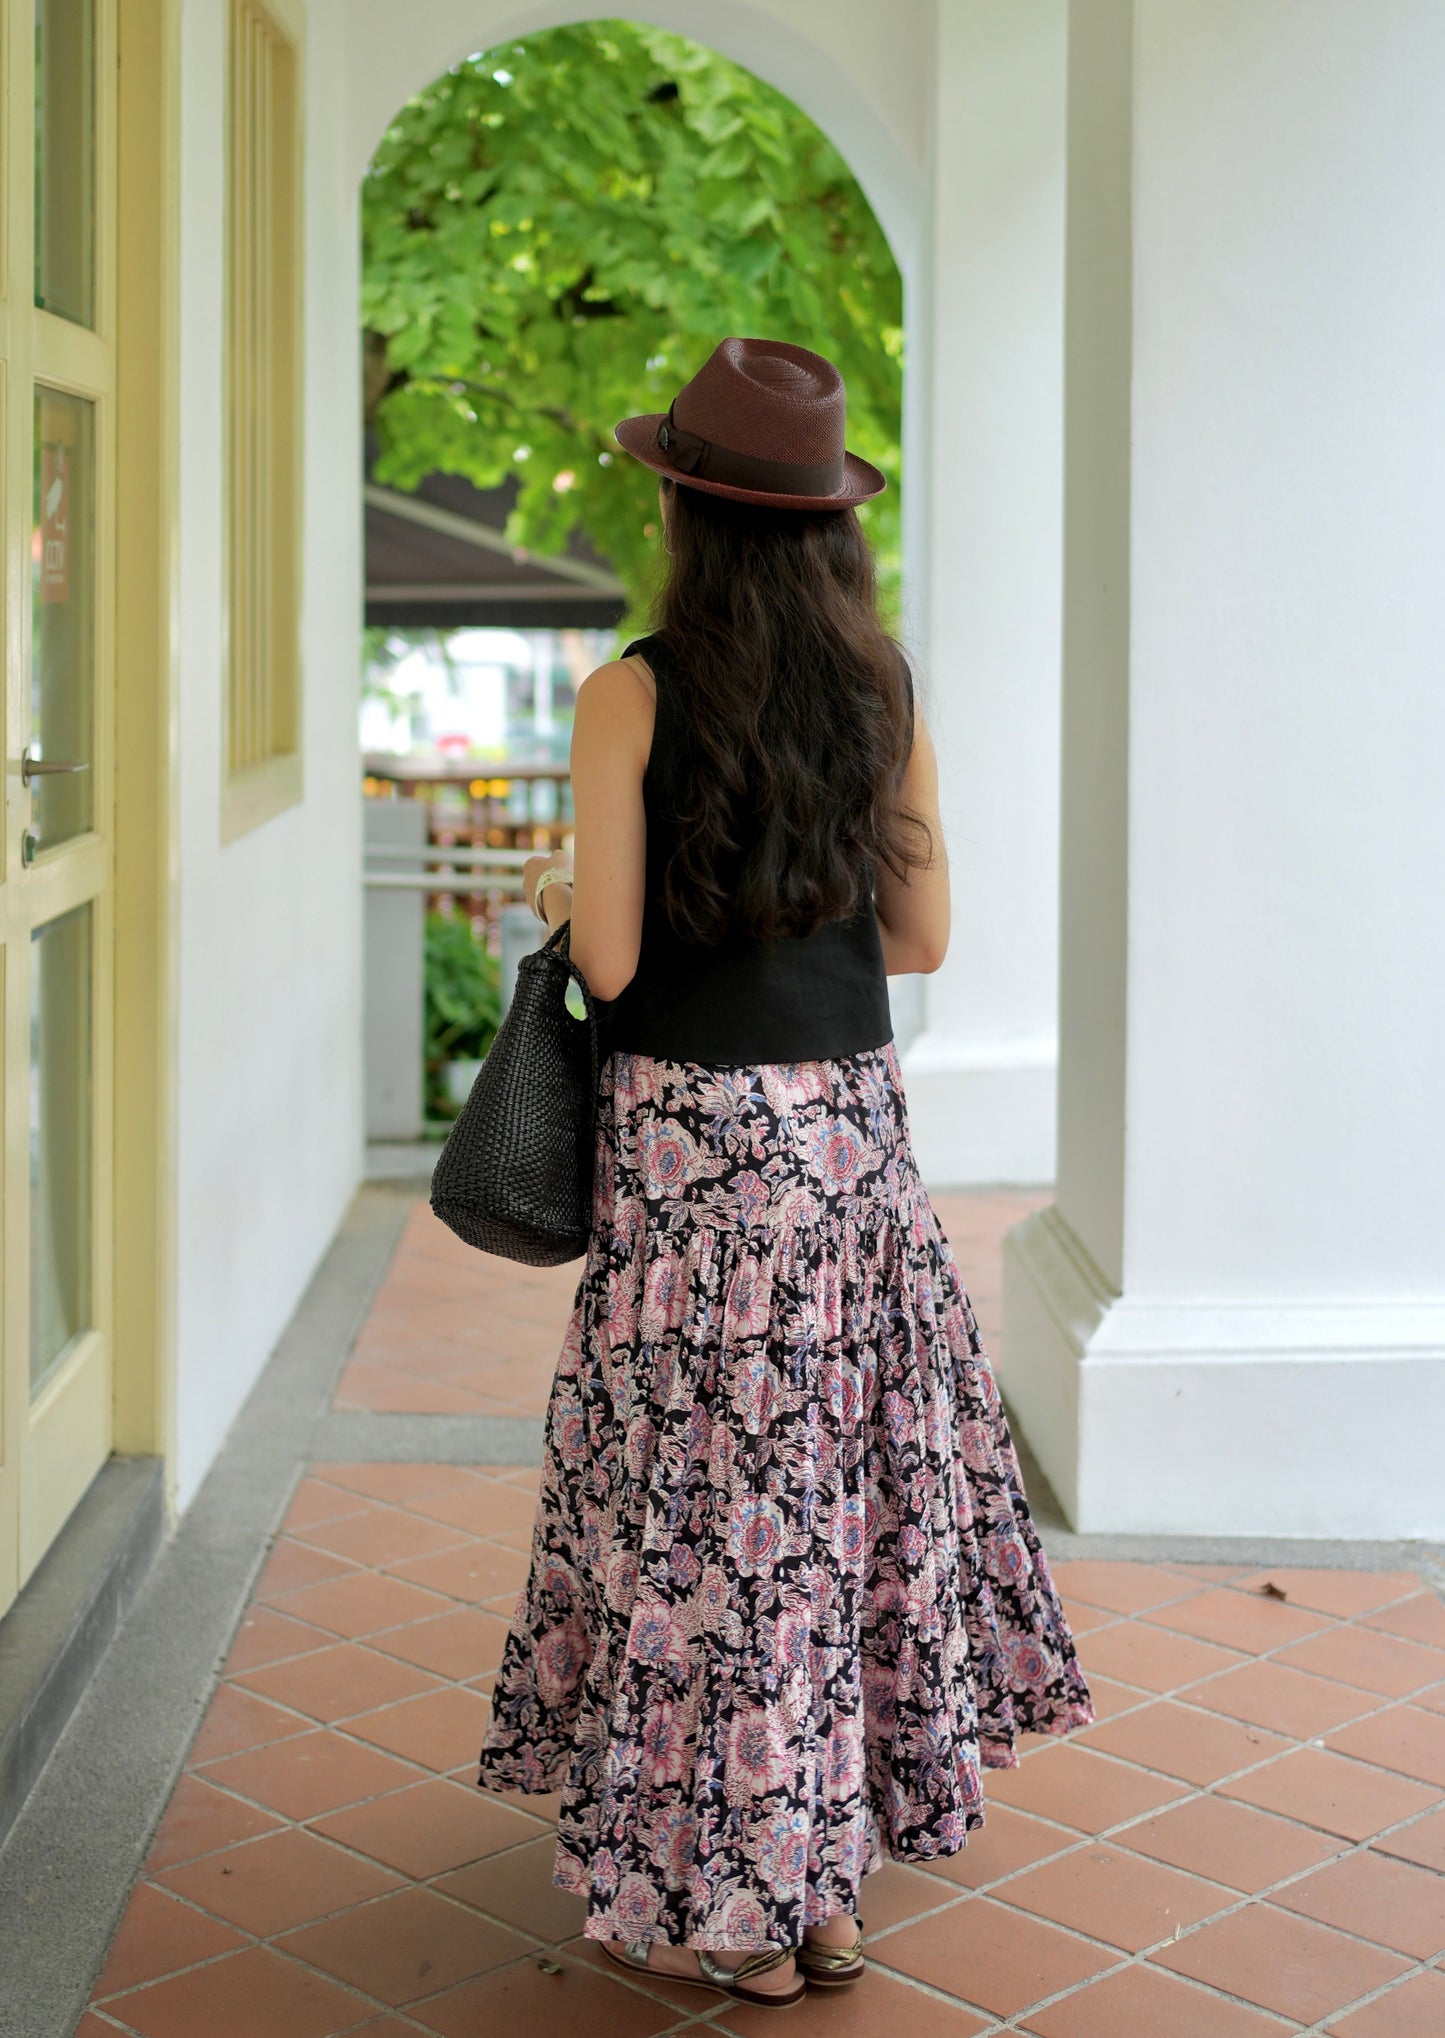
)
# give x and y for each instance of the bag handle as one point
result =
(559, 943)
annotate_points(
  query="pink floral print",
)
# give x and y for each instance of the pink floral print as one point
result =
(786, 1599)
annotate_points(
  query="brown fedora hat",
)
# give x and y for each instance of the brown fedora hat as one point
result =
(761, 421)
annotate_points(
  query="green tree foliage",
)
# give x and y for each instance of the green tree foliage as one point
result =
(557, 233)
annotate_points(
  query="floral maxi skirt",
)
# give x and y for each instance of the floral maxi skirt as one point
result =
(786, 1600)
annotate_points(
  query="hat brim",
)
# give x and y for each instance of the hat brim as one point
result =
(861, 480)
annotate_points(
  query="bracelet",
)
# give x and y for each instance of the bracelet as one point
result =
(554, 875)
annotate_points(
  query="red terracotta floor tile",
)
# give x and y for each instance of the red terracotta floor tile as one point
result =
(1358, 1655)
(1375, 1897)
(400, 1483)
(1434, 1698)
(879, 2003)
(1332, 1792)
(1422, 1841)
(525, 1383)
(1150, 1658)
(1075, 1787)
(1008, 1840)
(1413, 2009)
(389, 2026)
(895, 1893)
(410, 1944)
(430, 1827)
(284, 1879)
(1235, 1844)
(382, 1535)
(481, 1509)
(1344, 1593)
(291, 1565)
(1421, 1619)
(159, 1934)
(1121, 1587)
(464, 1642)
(317, 1772)
(237, 1719)
(385, 1342)
(1283, 1963)
(990, 1955)
(384, 1391)
(545, 1805)
(315, 1500)
(517, 1889)
(1139, 2002)
(1272, 1694)
(473, 1571)
(1405, 1738)
(1111, 1699)
(1250, 1621)
(266, 1636)
(340, 1680)
(242, 1996)
(1181, 1740)
(362, 1604)
(578, 2002)
(529, 1476)
(1082, 1617)
(514, 1539)
(438, 1730)
(1121, 1898)
(198, 1820)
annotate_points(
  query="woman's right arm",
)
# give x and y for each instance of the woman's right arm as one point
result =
(915, 914)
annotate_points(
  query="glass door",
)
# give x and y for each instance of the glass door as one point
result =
(56, 516)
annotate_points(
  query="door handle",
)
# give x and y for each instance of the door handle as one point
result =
(35, 767)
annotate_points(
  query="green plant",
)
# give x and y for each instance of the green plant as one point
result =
(463, 984)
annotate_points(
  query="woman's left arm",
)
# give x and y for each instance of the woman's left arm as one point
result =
(611, 737)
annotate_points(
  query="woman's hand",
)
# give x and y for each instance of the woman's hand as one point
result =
(557, 899)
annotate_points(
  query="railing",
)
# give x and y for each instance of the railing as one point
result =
(482, 824)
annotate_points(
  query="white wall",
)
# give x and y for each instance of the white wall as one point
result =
(981, 1078)
(269, 1083)
(1286, 924)
(1234, 1317)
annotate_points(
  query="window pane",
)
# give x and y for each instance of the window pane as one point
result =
(65, 158)
(60, 1113)
(62, 691)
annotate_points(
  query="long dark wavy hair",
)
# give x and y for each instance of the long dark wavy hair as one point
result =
(797, 708)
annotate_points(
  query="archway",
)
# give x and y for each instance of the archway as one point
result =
(556, 231)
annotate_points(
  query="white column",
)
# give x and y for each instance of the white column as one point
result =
(981, 1075)
(1233, 1317)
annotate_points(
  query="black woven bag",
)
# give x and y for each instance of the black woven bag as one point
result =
(515, 1175)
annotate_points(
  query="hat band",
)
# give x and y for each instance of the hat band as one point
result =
(705, 460)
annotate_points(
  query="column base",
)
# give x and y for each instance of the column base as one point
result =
(1222, 1418)
(979, 1121)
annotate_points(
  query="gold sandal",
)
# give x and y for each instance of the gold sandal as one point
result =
(727, 1981)
(833, 1966)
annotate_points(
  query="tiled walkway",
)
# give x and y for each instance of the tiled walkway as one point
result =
(1250, 1841)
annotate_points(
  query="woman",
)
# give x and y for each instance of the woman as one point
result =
(786, 1599)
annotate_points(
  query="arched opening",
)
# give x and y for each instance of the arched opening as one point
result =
(555, 233)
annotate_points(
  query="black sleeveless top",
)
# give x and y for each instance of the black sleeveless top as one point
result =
(805, 998)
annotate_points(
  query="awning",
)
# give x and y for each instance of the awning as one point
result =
(437, 557)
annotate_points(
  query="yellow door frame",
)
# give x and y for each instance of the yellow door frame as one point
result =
(147, 774)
